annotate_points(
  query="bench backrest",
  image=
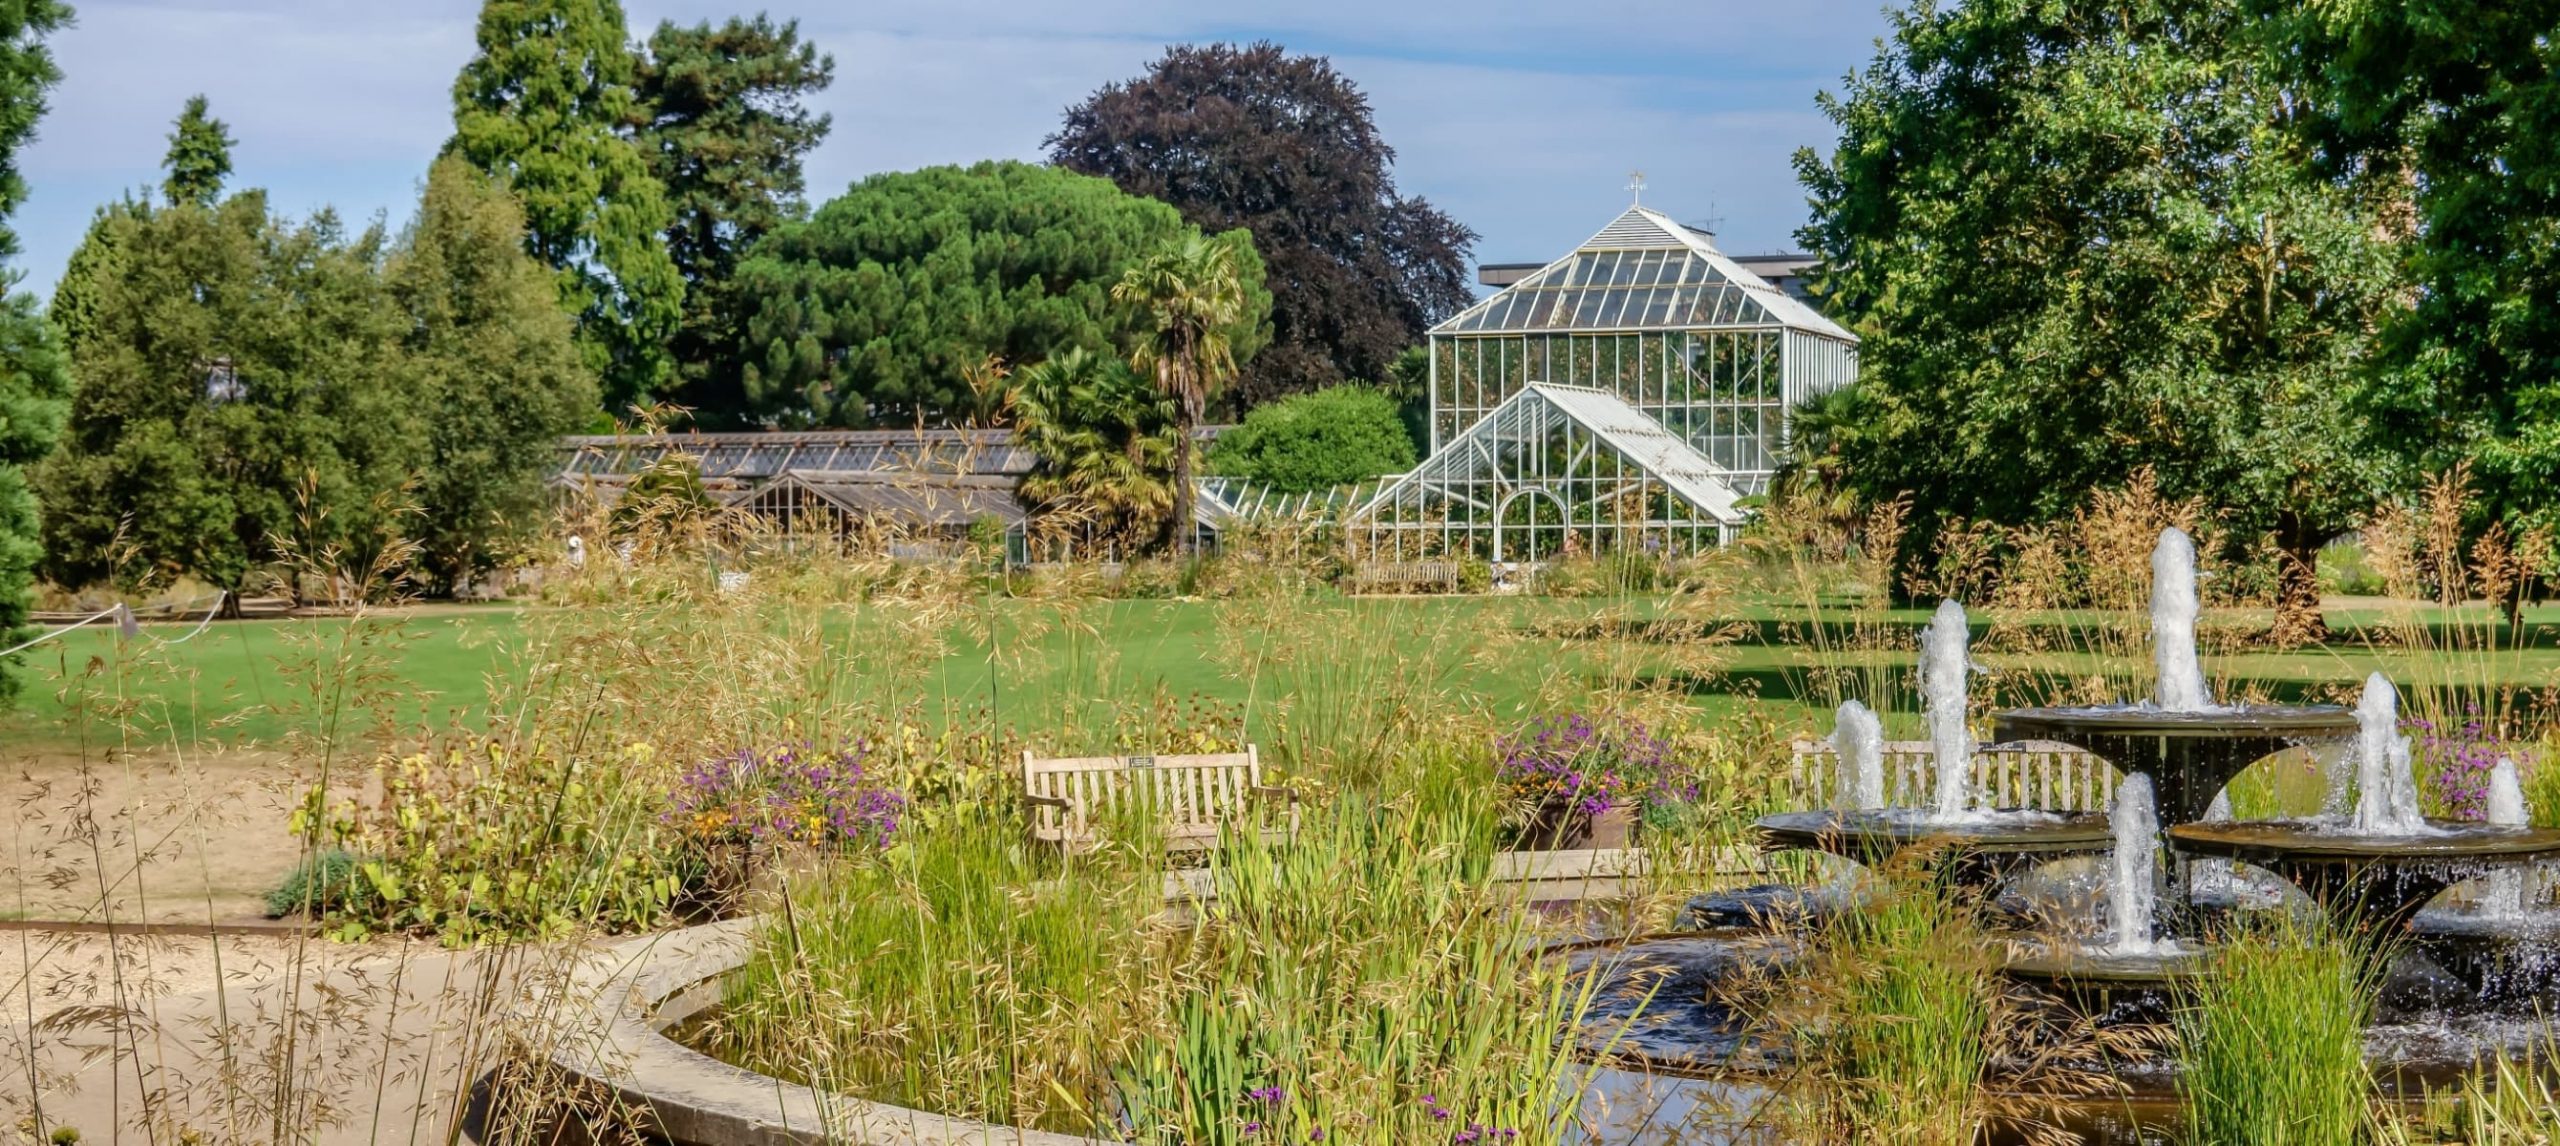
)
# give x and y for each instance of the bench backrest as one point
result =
(1190, 793)
(2045, 775)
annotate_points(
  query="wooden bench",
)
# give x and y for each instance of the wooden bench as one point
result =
(1193, 795)
(2044, 775)
(1381, 576)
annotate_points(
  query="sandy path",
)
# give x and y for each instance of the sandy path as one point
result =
(175, 837)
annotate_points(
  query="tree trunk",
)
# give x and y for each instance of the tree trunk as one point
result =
(1182, 485)
(2298, 620)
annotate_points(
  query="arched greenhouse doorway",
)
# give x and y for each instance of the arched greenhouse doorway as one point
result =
(1525, 532)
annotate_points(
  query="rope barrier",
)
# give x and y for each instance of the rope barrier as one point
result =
(127, 626)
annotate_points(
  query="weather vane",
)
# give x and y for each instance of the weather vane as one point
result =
(1635, 183)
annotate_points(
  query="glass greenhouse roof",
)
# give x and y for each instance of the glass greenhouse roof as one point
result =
(1641, 272)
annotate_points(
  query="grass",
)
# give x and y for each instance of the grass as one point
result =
(1908, 995)
(2271, 1041)
(226, 686)
(1364, 982)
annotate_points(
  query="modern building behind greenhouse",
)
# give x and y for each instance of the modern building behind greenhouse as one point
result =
(1624, 396)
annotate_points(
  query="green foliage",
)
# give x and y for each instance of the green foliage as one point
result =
(199, 156)
(75, 307)
(229, 405)
(725, 129)
(1906, 1042)
(1317, 441)
(323, 884)
(543, 106)
(879, 306)
(2272, 1041)
(1284, 147)
(2447, 102)
(1105, 444)
(2084, 240)
(490, 367)
(33, 380)
(488, 842)
(1194, 295)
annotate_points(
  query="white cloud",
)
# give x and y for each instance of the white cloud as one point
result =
(1520, 118)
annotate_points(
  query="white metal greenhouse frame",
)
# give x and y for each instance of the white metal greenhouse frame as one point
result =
(1676, 335)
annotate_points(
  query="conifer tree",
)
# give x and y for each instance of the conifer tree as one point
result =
(544, 106)
(33, 381)
(199, 156)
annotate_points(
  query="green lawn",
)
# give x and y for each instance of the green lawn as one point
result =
(236, 682)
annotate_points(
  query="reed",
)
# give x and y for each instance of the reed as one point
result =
(2271, 1040)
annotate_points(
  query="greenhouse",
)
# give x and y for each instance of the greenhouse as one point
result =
(1626, 394)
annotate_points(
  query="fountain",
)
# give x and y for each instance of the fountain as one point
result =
(2190, 747)
(1945, 649)
(1984, 847)
(2173, 624)
(1857, 737)
(2133, 892)
(2381, 865)
(2504, 902)
(2120, 934)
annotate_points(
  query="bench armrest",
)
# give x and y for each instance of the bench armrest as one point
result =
(1059, 802)
(1268, 792)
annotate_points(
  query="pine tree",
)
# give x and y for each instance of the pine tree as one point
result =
(199, 156)
(724, 124)
(33, 380)
(543, 107)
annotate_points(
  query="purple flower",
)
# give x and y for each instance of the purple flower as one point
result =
(792, 794)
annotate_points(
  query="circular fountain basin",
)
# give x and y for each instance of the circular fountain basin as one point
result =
(2190, 756)
(1660, 1004)
(2105, 968)
(2372, 880)
(1985, 848)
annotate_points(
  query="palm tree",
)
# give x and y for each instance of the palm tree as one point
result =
(1103, 440)
(1195, 296)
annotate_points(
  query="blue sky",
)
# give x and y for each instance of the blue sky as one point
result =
(1522, 119)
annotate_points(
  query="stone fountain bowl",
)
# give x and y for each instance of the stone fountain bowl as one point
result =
(2231, 722)
(1880, 834)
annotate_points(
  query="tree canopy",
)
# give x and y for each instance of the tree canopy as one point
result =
(255, 395)
(1283, 146)
(33, 382)
(878, 307)
(1308, 442)
(725, 128)
(544, 106)
(490, 367)
(2453, 102)
(2083, 240)
(226, 411)
(199, 156)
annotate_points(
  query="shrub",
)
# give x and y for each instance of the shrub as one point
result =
(1317, 441)
(325, 883)
(484, 841)
(1912, 992)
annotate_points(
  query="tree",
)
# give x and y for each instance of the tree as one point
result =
(2083, 240)
(74, 309)
(724, 127)
(1308, 442)
(491, 367)
(33, 381)
(1283, 146)
(229, 407)
(879, 306)
(2450, 101)
(543, 106)
(1193, 297)
(199, 156)
(1104, 438)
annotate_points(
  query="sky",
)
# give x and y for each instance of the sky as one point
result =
(1521, 118)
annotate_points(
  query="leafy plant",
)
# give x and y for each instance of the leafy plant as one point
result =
(2272, 1040)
